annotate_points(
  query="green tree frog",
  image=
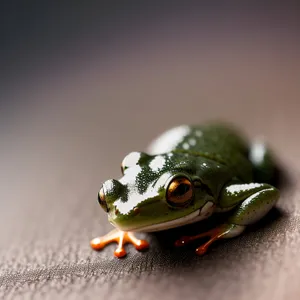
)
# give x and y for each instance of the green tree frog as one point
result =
(188, 174)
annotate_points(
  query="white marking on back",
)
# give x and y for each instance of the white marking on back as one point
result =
(236, 188)
(131, 159)
(169, 140)
(185, 146)
(257, 153)
(130, 174)
(192, 142)
(157, 163)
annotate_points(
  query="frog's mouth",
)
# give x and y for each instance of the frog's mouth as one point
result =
(193, 217)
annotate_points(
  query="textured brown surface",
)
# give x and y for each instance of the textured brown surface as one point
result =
(65, 129)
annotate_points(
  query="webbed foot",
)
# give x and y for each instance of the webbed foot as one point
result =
(120, 237)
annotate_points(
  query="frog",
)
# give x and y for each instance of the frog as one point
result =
(187, 175)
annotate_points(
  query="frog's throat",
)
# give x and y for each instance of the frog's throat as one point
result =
(193, 217)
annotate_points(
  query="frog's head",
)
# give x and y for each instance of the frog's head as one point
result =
(155, 193)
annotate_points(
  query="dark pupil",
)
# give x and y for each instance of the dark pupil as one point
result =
(181, 190)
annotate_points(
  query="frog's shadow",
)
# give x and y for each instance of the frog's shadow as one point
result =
(163, 241)
(282, 179)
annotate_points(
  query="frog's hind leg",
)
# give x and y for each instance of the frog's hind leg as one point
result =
(255, 201)
(223, 231)
(264, 167)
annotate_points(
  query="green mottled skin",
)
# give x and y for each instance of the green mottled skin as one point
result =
(226, 171)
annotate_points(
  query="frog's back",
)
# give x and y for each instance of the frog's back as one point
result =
(214, 141)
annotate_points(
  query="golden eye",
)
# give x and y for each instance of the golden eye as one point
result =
(180, 191)
(101, 200)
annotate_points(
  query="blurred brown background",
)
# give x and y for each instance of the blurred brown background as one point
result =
(82, 85)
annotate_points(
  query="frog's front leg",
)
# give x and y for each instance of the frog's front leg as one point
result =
(120, 237)
(252, 202)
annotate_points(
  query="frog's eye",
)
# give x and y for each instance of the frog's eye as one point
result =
(180, 191)
(102, 201)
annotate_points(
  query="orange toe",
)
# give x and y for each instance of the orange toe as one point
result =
(141, 245)
(120, 252)
(96, 244)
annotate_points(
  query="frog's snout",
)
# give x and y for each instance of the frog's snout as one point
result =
(109, 192)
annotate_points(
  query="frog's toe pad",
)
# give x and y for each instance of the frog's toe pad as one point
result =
(201, 250)
(97, 244)
(120, 252)
(141, 245)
